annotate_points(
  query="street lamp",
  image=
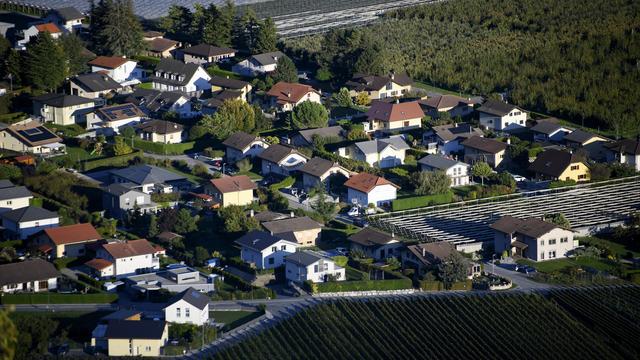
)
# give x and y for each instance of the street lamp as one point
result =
(493, 263)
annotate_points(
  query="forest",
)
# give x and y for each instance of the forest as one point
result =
(575, 59)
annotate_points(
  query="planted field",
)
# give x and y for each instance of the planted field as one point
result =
(570, 324)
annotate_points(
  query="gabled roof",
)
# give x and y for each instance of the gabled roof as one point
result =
(29, 213)
(175, 67)
(121, 188)
(371, 237)
(4, 183)
(62, 100)
(240, 140)
(362, 82)
(258, 240)
(495, 107)
(441, 102)
(32, 134)
(625, 146)
(291, 225)
(159, 127)
(94, 82)
(267, 215)
(206, 50)
(191, 296)
(14, 192)
(48, 27)
(119, 112)
(109, 62)
(548, 127)
(392, 111)
(289, 92)
(580, 136)
(484, 144)
(531, 226)
(318, 167)
(433, 252)
(450, 132)
(27, 271)
(553, 162)
(130, 248)
(330, 131)
(146, 174)
(276, 153)
(227, 83)
(304, 258)
(156, 100)
(269, 58)
(365, 182)
(139, 329)
(68, 13)
(160, 44)
(98, 264)
(378, 145)
(439, 162)
(71, 234)
(229, 184)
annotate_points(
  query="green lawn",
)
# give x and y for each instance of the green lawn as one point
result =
(146, 85)
(67, 130)
(252, 175)
(551, 266)
(233, 319)
(214, 70)
(432, 88)
(79, 154)
(618, 249)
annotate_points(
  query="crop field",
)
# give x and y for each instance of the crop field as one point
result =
(590, 323)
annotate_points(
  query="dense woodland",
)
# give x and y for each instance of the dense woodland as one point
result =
(577, 59)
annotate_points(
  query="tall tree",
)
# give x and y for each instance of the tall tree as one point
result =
(74, 51)
(245, 31)
(9, 338)
(453, 268)
(342, 98)
(178, 22)
(309, 115)
(266, 38)
(285, 70)
(119, 32)
(232, 115)
(14, 67)
(185, 222)
(218, 26)
(153, 228)
(431, 182)
(482, 170)
(46, 66)
(371, 60)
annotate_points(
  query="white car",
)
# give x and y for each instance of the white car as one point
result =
(518, 178)
(354, 211)
(342, 251)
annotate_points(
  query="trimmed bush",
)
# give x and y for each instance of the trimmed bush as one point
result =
(113, 161)
(364, 285)
(561, 183)
(161, 148)
(53, 298)
(430, 285)
(421, 201)
(285, 183)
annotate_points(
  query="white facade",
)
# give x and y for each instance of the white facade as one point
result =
(182, 312)
(251, 68)
(198, 83)
(32, 286)
(27, 228)
(123, 73)
(555, 244)
(254, 149)
(458, 173)
(30, 33)
(12, 204)
(271, 257)
(317, 272)
(129, 265)
(379, 195)
(515, 119)
(286, 166)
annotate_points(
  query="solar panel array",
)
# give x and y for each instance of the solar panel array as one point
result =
(36, 134)
(127, 110)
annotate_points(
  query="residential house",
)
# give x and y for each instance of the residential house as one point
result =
(31, 137)
(149, 179)
(625, 151)
(174, 75)
(281, 160)
(452, 104)
(264, 216)
(151, 34)
(67, 18)
(62, 109)
(457, 171)
(499, 116)
(211, 105)
(580, 138)
(447, 139)
(96, 86)
(318, 170)
(375, 244)
(33, 275)
(364, 189)
(13, 197)
(134, 337)
(387, 117)
(382, 153)
(424, 257)
(120, 198)
(156, 103)
(562, 165)
(550, 130)
(304, 138)
(110, 120)
(231, 190)
(34, 30)
(300, 230)
(205, 54)
(285, 96)
(24, 222)
(241, 145)
(160, 131)
(125, 258)
(310, 266)
(219, 83)
(161, 48)
(263, 250)
(67, 241)
(120, 69)
(478, 148)
(258, 64)
(532, 238)
(380, 87)
(188, 307)
(175, 278)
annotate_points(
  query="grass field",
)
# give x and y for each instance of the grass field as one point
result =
(233, 319)
(439, 90)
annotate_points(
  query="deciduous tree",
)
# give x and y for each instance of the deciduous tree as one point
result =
(285, 71)
(431, 182)
(482, 170)
(309, 114)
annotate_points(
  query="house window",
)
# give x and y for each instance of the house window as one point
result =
(274, 248)
(37, 223)
(283, 247)
(147, 348)
(271, 261)
(326, 266)
(541, 242)
(541, 256)
(187, 312)
(575, 167)
(406, 124)
(9, 202)
(177, 312)
(552, 254)
(552, 241)
(564, 240)
(315, 268)
(582, 177)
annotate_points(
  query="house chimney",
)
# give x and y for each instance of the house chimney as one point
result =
(393, 234)
(393, 75)
(288, 94)
(397, 101)
(424, 252)
(291, 214)
(508, 141)
(251, 213)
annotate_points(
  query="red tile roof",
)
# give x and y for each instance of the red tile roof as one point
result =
(229, 184)
(48, 27)
(72, 234)
(289, 93)
(108, 62)
(98, 264)
(130, 248)
(385, 111)
(365, 182)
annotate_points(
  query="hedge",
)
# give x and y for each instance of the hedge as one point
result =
(432, 285)
(114, 161)
(44, 298)
(287, 182)
(421, 201)
(561, 183)
(161, 148)
(363, 285)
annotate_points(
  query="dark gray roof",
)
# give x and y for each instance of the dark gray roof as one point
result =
(485, 145)
(371, 237)
(147, 174)
(275, 153)
(257, 240)
(317, 166)
(69, 13)
(547, 127)
(159, 127)
(455, 131)
(531, 226)
(155, 100)
(14, 192)
(377, 145)
(239, 140)
(495, 107)
(176, 67)
(331, 131)
(438, 162)
(140, 329)
(304, 258)
(193, 297)
(291, 225)
(263, 216)
(228, 83)
(94, 82)
(580, 136)
(4, 183)
(29, 270)
(62, 100)
(120, 188)
(29, 213)
(552, 162)
(267, 58)
(206, 50)
(362, 82)
(625, 146)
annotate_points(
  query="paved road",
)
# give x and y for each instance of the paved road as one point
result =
(523, 281)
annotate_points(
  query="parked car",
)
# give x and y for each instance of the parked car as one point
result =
(526, 269)
(518, 178)
(354, 211)
(342, 251)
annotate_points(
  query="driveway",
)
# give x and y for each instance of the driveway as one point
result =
(523, 281)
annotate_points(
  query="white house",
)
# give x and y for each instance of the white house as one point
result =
(240, 145)
(35, 30)
(204, 54)
(24, 222)
(63, 109)
(447, 139)
(30, 136)
(380, 87)
(258, 64)
(532, 238)
(156, 103)
(68, 18)
(478, 148)
(174, 75)
(499, 115)
(382, 153)
(109, 120)
(550, 130)
(148, 179)
(308, 265)
(364, 189)
(457, 171)
(285, 96)
(32, 275)
(13, 197)
(188, 307)
(120, 69)
(96, 86)
(281, 160)
(264, 250)
(625, 151)
(127, 258)
(318, 170)
(376, 244)
(454, 105)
